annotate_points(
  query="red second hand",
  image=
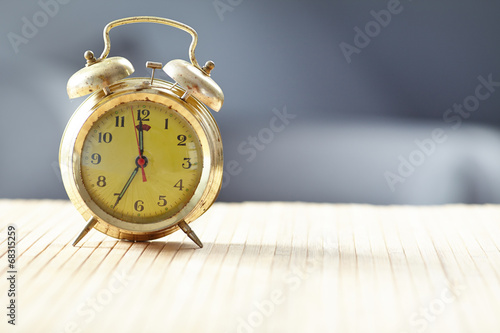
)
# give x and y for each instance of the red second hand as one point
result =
(141, 159)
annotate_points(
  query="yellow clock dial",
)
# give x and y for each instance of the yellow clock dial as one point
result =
(141, 162)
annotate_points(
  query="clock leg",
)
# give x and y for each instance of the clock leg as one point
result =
(190, 233)
(90, 224)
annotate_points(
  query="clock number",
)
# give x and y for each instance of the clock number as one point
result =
(139, 205)
(106, 137)
(187, 164)
(166, 123)
(96, 158)
(101, 181)
(179, 185)
(120, 121)
(182, 140)
(162, 201)
(142, 115)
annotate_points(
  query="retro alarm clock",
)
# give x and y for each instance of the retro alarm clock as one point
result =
(142, 157)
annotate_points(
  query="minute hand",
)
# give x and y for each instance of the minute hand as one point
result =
(122, 193)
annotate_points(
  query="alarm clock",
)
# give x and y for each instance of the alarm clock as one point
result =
(142, 157)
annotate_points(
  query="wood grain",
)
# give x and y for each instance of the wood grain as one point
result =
(265, 267)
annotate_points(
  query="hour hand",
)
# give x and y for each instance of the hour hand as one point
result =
(140, 129)
(140, 147)
(141, 138)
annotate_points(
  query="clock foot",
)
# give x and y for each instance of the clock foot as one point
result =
(190, 233)
(90, 224)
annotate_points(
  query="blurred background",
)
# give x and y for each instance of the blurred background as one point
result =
(382, 102)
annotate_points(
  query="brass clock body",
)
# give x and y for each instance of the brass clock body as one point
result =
(141, 158)
(127, 92)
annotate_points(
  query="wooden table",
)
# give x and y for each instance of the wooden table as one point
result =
(265, 267)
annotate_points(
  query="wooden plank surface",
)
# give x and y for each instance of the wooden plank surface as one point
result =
(265, 267)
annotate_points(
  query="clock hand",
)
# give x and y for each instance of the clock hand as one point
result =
(122, 193)
(141, 138)
(141, 160)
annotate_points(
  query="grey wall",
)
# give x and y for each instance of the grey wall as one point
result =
(353, 120)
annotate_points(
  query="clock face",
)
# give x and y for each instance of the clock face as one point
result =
(141, 162)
